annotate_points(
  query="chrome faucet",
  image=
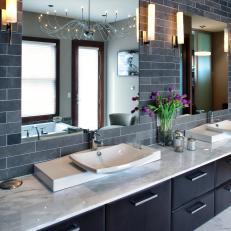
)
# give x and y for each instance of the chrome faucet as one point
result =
(94, 142)
(210, 117)
(37, 131)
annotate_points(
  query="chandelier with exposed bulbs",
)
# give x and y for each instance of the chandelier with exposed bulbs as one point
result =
(85, 29)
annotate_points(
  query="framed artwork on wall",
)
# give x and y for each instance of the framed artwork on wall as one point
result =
(128, 63)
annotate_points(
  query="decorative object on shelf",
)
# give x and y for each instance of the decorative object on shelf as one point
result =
(8, 17)
(191, 144)
(85, 29)
(128, 63)
(165, 109)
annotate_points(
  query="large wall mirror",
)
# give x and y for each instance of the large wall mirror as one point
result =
(80, 66)
(205, 64)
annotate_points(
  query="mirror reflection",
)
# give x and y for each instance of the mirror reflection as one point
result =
(80, 66)
(205, 64)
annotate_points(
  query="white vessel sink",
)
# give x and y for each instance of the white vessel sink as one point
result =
(203, 133)
(115, 158)
(61, 173)
(223, 126)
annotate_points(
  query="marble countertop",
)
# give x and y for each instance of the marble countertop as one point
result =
(33, 206)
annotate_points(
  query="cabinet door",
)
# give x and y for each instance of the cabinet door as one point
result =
(91, 221)
(222, 197)
(223, 170)
(193, 214)
(149, 210)
(193, 184)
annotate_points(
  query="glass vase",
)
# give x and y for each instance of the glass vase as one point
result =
(164, 131)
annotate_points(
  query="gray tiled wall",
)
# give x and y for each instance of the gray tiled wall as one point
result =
(159, 68)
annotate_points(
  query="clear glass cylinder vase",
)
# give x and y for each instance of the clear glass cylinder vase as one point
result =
(164, 131)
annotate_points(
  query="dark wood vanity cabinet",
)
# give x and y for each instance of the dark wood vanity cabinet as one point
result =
(194, 213)
(90, 221)
(183, 203)
(223, 184)
(192, 184)
(222, 197)
(149, 210)
(223, 171)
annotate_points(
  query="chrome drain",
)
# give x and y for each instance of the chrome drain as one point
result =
(10, 184)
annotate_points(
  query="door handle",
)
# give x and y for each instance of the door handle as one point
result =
(196, 208)
(137, 202)
(228, 188)
(74, 227)
(196, 176)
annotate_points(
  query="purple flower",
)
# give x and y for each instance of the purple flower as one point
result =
(178, 97)
(184, 96)
(134, 110)
(135, 98)
(156, 93)
(145, 109)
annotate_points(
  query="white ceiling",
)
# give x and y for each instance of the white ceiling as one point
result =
(98, 7)
(211, 25)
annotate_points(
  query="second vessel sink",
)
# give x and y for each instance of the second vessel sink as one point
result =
(223, 126)
(115, 158)
(202, 133)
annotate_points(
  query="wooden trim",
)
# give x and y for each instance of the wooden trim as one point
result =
(187, 72)
(2, 4)
(75, 45)
(57, 106)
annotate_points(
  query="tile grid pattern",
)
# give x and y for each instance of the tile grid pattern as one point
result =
(159, 68)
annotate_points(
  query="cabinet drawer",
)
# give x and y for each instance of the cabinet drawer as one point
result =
(94, 220)
(222, 197)
(193, 184)
(147, 211)
(194, 214)
(223, 170)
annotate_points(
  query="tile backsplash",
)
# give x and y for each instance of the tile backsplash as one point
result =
(159, 68)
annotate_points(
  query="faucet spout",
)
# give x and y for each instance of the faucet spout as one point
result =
(37, 131)
(94, 143)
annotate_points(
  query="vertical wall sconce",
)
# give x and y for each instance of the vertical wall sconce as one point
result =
(149, 35)
(151, 21)
(9, 16)
(180, 27)
(226, 40)
(137, 24)
(179, 38)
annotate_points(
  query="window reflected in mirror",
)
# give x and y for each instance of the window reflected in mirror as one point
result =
(204, 71)
(80, 66)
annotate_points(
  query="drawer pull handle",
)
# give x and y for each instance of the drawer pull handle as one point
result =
(196, 208)
(197, 176)
(228, 188)
(74, 227)
(141, 202)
